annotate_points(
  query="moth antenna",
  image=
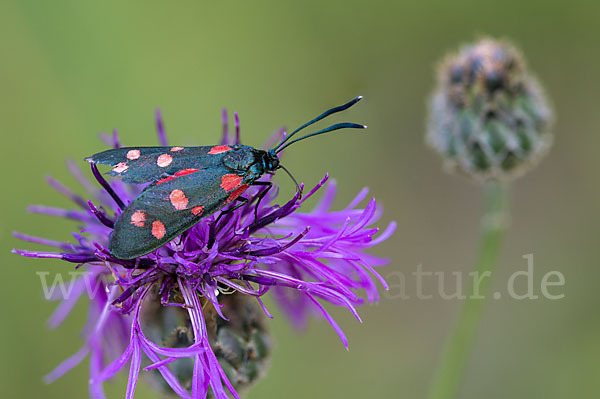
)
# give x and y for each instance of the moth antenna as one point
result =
(337, 126)
(325, 114)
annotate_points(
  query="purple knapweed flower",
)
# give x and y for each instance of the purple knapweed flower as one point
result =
(303, 258)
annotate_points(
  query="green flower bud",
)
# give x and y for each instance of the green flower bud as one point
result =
(488, 117)
(241, 345)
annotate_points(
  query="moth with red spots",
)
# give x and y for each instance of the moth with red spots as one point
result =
(189, 183)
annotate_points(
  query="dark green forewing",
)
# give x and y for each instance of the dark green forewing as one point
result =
(172, 205)
(147, 164)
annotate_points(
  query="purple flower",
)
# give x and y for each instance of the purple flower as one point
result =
(303, 258)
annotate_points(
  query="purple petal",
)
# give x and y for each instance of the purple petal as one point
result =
(330, 319)
(38, 240)
(65, 307)
(66, 365)
(64, 213)
(81, 178)
(55, 184)
(237, 128)
(198, 380)
(225, 122)
(134, 369)
(358, 199)
(70, 257)
(95, 387)
(175, 352)
(327, 197)
(106, 139)
(262, 305)
(106, 186)
(385, 235)
(274, 138)
(116, 143)
(316, 188)
(101, 216)
(160, 363)
(160, 128)
(165, 372)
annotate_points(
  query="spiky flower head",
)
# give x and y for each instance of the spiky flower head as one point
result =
(189, 315)
(488, 116)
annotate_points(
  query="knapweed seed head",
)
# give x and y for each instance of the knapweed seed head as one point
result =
(189, 315)
(241, 342)
(488, 116)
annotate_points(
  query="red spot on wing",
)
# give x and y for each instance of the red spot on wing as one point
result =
(184, 172)
(164, 160)
(158, 229)
(138, 218)
(231, 181)
(174, 149)
(198, 210)
(178, 199)
(236, 193)
(181, 172)
(121, 167)
(133, 154)
(219, 149)
(166, 179)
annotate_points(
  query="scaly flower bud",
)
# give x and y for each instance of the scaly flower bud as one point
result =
(488, 117)
(241, 342)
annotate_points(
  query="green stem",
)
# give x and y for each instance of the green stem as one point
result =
(448, 376)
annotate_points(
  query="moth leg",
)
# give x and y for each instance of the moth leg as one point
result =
(212, 235)
(242, 201)
(262, 194)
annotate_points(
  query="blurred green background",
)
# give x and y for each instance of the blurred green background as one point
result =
(70, 69)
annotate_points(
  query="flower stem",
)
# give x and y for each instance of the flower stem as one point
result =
(447, 380)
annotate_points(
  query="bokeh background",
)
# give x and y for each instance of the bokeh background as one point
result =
(70, 69)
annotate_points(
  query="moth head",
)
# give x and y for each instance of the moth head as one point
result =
(271, 161)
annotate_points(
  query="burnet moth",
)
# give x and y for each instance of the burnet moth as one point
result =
(189, 183)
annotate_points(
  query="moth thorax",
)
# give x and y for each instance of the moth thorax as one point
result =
(242, 344)
(241, 158)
